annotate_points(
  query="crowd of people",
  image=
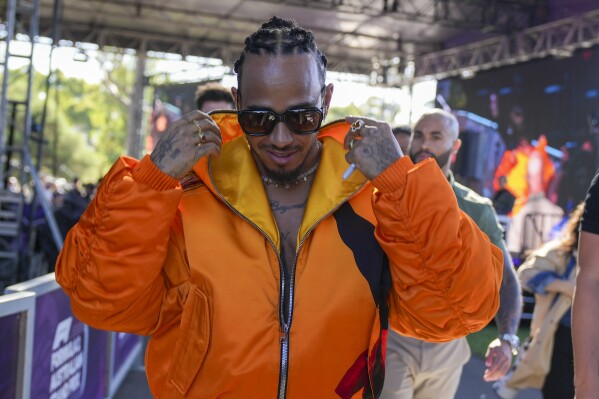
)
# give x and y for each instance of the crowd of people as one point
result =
(261, 265)
(67, 200)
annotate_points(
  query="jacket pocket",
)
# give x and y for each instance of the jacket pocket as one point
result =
(193, 341)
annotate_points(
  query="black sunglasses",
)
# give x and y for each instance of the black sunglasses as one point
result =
(301, 121)
(263, 122)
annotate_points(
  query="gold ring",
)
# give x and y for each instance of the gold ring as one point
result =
(197, 123)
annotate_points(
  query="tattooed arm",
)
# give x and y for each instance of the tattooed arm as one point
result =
(112, 262)
(499, 353)
(510, 308)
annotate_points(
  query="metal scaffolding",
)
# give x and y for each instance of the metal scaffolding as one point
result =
(490, 15)
(559, 39)
(16, 137)
(351, 32)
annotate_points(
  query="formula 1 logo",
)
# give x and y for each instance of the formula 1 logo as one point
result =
(68, 364)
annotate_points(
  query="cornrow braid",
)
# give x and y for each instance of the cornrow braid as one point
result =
(281, 36)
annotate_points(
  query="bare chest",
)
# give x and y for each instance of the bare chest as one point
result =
(288, 211)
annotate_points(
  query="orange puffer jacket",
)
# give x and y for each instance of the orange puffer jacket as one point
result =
(198, 268)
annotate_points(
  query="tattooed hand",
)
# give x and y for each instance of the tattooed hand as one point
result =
(374, 147)
(182, 145)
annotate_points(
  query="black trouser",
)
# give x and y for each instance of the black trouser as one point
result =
(559, 383)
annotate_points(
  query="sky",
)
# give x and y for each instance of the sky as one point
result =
(348, 88)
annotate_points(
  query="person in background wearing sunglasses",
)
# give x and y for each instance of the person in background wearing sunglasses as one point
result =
(255, 267)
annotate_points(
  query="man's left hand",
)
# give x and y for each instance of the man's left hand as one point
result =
(498, 360)
(373, 149)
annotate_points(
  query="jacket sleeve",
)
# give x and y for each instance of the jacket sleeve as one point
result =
(445, 272)
(111, 265)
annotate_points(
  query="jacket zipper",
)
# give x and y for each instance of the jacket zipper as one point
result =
(284, 322)
(287, 323)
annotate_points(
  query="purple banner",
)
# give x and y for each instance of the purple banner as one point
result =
(69, 358)
(9, 355)
(124, 344)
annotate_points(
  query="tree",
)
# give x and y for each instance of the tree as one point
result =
(374, 108)
(378, 108)
(336, 113)
(86, 124)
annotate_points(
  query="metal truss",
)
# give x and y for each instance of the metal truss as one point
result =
(501, 16)
(488, 15)
(498, 16)
(17, 143)
(204, 44)
(148, 42)
(216, 19)
(559, 39)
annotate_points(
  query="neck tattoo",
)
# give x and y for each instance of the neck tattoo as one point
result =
(287, 184)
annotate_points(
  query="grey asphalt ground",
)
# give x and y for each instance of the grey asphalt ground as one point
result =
(472, 385)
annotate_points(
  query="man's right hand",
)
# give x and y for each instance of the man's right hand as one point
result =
(183, 144)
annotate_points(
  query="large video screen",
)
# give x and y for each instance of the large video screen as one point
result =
(558, 97)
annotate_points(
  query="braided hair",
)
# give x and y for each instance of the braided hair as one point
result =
(281, 37)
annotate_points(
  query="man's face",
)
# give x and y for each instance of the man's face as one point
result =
(280, 83)
(433, 138)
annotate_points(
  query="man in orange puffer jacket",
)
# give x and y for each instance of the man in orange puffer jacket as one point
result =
(255, 267)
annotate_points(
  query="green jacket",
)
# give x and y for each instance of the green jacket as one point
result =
(481, 211)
